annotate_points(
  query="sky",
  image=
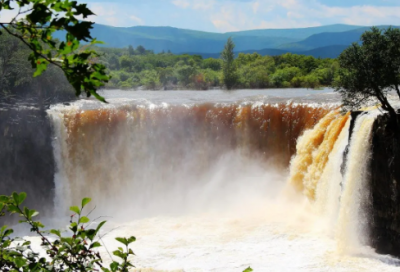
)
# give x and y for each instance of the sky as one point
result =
(236, 15)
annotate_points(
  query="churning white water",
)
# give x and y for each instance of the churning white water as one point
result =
(203, 184)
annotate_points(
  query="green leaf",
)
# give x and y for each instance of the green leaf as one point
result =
(83, 220)
(85, 201)
(8, 232)
(100, 226)
(34, 213)
(249, 269)
(94, 245)
(22, 197)
(4, 199)
(131, 240)
(119, 254)
(3, 228)
(56, 232)
(75, 209)
(122, 240)
(114, 266)
(18, 198)
(20, 262)
(91, 233)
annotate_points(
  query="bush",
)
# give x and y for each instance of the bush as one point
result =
(76, 252)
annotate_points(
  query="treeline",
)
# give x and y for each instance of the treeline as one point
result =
(133, 68)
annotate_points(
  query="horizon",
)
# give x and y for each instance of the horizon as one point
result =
(245, 30)
(221, 16)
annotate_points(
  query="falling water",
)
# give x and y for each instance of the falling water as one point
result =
(203, 184)
(164, 157)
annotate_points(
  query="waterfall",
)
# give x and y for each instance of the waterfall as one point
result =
(146, 159)
(316, 170)
(164, 157)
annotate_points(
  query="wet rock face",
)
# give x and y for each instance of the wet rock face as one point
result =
(385, 188)
(26, 155)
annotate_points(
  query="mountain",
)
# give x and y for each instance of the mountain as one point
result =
(179, 40)
(322, 41)
(183, 40)
(327, 39)
(295, 33)
(332, 51)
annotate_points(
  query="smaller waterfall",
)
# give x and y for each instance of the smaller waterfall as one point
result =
(316, 171)
(352, 221)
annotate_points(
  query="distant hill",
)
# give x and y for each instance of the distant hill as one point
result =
(295, 33)
(178, 40)
(332, 51)
(322, 41)
(327, 39)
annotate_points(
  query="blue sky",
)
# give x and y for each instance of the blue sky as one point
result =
(234, 15)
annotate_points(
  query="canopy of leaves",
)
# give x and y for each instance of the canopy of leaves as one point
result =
(368, 71)
(35, 23)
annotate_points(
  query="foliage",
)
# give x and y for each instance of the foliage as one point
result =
(370, 70)
(16, 80)
(192, 72)
(35, 24)
(77, 252)
(229, 66)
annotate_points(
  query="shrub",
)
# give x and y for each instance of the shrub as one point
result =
(64, 253)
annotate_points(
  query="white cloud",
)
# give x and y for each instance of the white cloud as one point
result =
(297, 13)
(255, 6)
(181, 3)
(136, 19)
(234, 15)
(195, 4)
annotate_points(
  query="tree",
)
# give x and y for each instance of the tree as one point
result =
(228, 66)
(370, 70)
(36, 24)
(131, 51)
(141, 50)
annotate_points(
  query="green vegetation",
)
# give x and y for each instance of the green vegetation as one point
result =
(371, 70)
(70, 250)
(228, 65)
(73, 252)
(131, 69)
(16, 80)
(35, 24)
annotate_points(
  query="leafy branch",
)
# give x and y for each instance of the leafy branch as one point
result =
(41, 20)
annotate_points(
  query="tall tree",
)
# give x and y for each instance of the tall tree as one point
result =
(141, 50)
(131, 51)
(35, 23)
(370, 70)
(229, 67)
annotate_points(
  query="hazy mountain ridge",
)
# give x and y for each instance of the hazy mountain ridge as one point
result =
(323, 41)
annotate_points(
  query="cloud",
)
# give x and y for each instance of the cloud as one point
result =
(297, 13)
(136, 19)
(234, 15)
(181, 3)
(195, 4)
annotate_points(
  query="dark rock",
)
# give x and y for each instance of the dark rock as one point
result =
(384, 226)
(26, 155)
